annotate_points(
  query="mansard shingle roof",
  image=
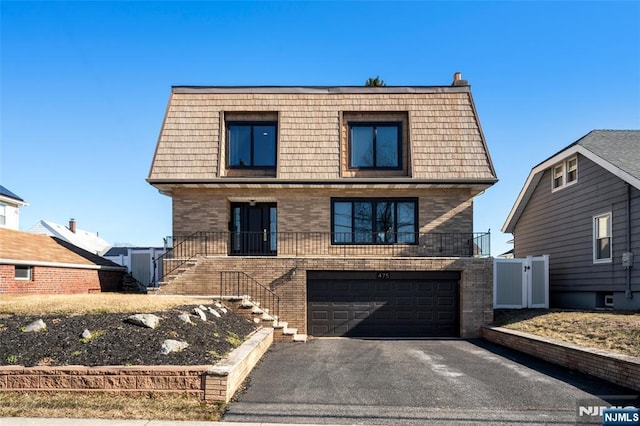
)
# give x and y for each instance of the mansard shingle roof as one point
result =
(446, 140)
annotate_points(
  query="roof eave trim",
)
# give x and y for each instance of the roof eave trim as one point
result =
(319, 90)
(22, 262)
(337, 182)
(525, 194)
(11, 200)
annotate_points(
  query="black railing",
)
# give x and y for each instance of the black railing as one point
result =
(239, 284)
(184, 250)
(327, 244)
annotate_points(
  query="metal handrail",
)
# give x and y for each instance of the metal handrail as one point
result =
(240, 284)
(169, 254)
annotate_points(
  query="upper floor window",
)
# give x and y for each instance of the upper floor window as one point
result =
(564, 173)
(3, 214)
(602, 238)
(251, 144)
(375, 145)
(374, 221)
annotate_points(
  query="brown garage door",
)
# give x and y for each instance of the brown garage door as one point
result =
(382, 304)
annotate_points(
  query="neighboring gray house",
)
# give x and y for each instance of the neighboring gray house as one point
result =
(582, 207)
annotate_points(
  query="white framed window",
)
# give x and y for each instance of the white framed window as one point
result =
(602, 250)
(23, 273)
(558, 176)
(564, 173)
(572, 170)
(3, 214)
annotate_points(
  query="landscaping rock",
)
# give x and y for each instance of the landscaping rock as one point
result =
(218, 305)
(214, 313)
(171, 345)
(86, 334)
(35, 327)
(185, 317)
(144, 320)
(223, 309)
(200, 313)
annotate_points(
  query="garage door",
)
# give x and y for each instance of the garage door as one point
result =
(382, 304)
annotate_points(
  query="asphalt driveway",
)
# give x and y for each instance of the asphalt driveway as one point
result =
(352, 381)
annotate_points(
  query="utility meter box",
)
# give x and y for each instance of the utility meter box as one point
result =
(627, 259)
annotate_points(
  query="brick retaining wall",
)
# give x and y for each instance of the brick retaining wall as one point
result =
(223, 379)
(196, 379)
(616, 368)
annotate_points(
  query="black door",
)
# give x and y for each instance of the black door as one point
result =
(383, 304)
(253, 229)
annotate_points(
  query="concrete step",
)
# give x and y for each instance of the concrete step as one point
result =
(289, 331)
(280, 324)
(266, 317)
(256, 310)
(300, 338)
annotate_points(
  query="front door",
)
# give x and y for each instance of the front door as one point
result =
(253, 229)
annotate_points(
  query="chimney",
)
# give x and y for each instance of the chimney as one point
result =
(72, 225)
(458, 81)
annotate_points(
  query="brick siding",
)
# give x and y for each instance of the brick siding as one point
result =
(59, 280)
(309, 210)
(476, 300)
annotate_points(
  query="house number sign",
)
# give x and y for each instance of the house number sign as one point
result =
(383, 275)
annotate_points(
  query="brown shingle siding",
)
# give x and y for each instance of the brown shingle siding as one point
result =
(309, 133)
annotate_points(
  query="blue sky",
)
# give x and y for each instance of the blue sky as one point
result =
(84, 85)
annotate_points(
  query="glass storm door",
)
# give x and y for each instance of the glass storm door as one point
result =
(253, 229)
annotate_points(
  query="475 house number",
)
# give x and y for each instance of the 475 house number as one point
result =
(383, 275)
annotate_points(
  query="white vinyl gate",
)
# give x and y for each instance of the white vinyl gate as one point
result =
(521, 283)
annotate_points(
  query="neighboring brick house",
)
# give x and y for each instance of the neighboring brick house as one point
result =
(581, 206)
(354, 205)
(40, 264)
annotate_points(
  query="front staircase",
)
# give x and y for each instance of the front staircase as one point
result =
(237, 289)
(252, 310)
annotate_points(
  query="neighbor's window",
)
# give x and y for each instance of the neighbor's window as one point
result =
(251, 144)
(374, 221)
(558, 175)
(3, 214)
(572, 170)
(375, 145)
(23, 273)
(564, 173)
(602, 238)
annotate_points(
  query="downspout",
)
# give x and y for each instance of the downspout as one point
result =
(628, 293)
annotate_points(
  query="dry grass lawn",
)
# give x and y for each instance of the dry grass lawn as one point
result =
(98, 303)
(614, 331)
(151, 406)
